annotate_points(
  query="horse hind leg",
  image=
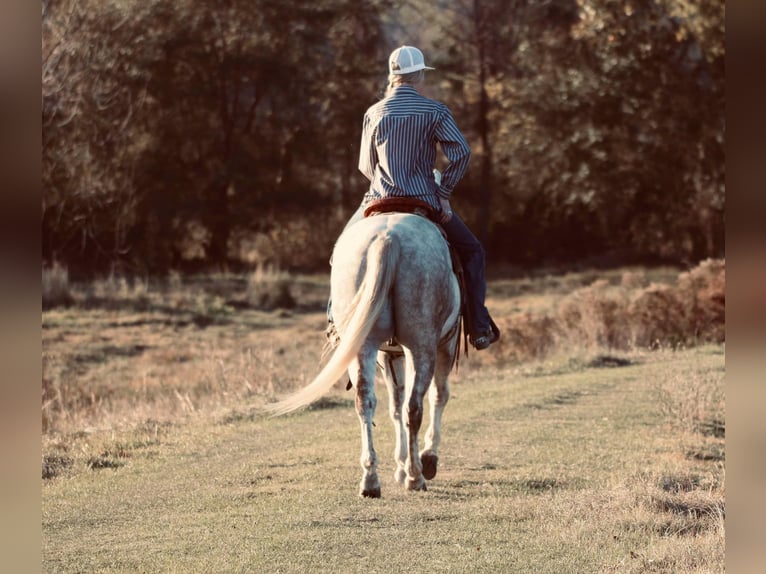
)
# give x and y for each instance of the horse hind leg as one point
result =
(362, 372)
(438, 395)
(393, 373)
(420, 371)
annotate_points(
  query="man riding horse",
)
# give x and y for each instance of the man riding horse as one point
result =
(392, 279)
(400, 134)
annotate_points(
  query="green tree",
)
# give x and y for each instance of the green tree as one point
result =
(173, 130)
(597, 125)
(638, 104)
(178, 125)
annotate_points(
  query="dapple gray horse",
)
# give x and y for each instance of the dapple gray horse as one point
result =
(392, 277)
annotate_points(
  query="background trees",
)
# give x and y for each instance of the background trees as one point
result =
(178, 135)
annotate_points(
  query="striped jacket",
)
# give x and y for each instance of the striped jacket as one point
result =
(398, 148)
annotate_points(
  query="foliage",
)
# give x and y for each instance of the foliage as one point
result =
(174, 133)
(170, 125)
(604, 125)
(56, 290)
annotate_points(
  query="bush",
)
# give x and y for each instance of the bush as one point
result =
(269, 288)
(56, 290)
(527, 337)
(703, 293)
(634, 313)
(656, 317)
(594, 316)
(688, 313)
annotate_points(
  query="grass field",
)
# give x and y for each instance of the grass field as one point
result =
(156, 458)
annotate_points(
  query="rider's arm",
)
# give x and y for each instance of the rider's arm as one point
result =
(368, 154)
(456, 148)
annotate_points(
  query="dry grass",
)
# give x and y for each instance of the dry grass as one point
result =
(117, 371)
(620, 312)
(562, 452)
(123, 352)
(540, 472)
(269, 288)
(694, 401)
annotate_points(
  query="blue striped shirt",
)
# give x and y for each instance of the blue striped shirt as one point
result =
(398, 148)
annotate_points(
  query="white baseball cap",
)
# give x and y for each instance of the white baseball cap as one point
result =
(405, 60)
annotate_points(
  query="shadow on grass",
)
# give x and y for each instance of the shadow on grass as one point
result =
(330, 403)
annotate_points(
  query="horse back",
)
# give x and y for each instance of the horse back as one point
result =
(424, 298)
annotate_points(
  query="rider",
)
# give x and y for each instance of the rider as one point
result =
(400, 134)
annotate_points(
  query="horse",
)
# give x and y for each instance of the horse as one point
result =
(392, 280)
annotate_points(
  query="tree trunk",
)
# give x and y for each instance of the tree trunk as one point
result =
(219, 226)
(485, 193)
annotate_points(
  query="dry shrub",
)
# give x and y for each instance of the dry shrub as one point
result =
(593, 317)
(630, 315)
(56, 290)
(269, 288)
(690, 312)
(657, 317)
(526, 337)
(625, 314)
(703, 291)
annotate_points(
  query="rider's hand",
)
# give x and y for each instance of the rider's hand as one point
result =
(446, 213)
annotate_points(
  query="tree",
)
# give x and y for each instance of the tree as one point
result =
(176, 127)
(598, 124)
(90, 99)
(640, 109)
(174, 132)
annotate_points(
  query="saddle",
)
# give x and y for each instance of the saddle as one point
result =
(401, 205)
(419, 207)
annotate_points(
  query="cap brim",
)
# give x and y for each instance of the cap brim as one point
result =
(411, 70)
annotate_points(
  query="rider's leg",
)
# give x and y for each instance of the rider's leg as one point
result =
(473, 259)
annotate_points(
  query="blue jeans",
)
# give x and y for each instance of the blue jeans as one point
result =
(472, 257)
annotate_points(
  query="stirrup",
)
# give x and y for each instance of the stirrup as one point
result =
(391, 346)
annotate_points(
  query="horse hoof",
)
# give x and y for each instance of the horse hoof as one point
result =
(400, 476)
(370, 493)
(419, 484)
(430, 462)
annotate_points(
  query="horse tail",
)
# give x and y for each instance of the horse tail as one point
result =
(365, 308)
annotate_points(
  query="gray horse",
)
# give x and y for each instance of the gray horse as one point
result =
(392, 278)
